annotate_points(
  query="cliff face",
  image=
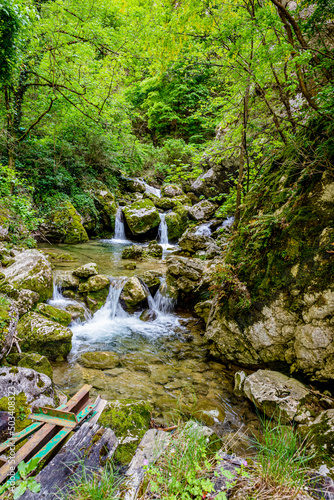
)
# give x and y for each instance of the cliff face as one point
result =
(283, 255)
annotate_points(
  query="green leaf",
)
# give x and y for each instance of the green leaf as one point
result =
(33, 485)
(20, 490)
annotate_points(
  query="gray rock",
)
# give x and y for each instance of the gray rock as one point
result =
(133, 293)
(202, 210)
(8, 323)
(66, 279)
(31, 270)
(191, 242)
(278, 396)
(214, 179)
(86, 270)
(36, 386)
(171, 190)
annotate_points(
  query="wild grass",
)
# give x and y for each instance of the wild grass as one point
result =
(104, 485)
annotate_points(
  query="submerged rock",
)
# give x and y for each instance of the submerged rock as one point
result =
(31, 270)
(99, 360)
(57, 315)
(141, 217)
(133, 293)
(64, 225)
(133, 252)
(86, 270)
(36, 387)
(134, 362)
(202, 210)
(148, 315)
(46, 337)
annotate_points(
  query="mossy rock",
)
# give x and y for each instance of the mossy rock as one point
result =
(171, 190)
(129, 419)
(64, 225)
(141, 217)
(21, 410)
(37, 362)
(151, 280)
(175, 225)
(134, 362)
(7, 325)
(154, 250)
(134, 293)
(94, 284)
(105, 204)
(99, 360)
(44, 336)
(164, 203)
(95, 300)
(133, 252)
(57, 315)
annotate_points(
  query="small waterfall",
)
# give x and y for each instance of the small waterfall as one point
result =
(163, 302)
(120, 236)
(112, 307)
(203, 230)
(163, 231)
(152, 190)
(228, 222)
(60, 302)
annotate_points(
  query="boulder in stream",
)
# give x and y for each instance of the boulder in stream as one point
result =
(134, 294)
(148, 315)
(94, 284)
(192, 242)
(202, 210)
(171, 190)
(133, 252)
(99, 360)
(57, 315)
(66, 279)
(64, 224)
(176, 225)
(142, 217)
(86, 270)
(44, 336)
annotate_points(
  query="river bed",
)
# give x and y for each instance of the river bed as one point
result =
(165, 361)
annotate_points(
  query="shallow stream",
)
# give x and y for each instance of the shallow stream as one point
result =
(165, 361)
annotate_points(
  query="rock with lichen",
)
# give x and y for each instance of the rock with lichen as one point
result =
(134, 294)
(57, 315)
(142, 217)
(64, 224)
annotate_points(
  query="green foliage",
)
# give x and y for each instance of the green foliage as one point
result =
(98, 486)
(228, 288)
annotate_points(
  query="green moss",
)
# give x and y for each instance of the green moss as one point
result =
(176, 226)
(95, 300)
(65, 225)
(21, 411)
(141, 216)
(57, 315)
(36, 362)
(129, 419)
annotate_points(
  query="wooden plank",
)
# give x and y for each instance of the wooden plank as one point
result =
(150, 448)
(46, 433)
(65, 469)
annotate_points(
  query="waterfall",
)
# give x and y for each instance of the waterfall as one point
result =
(152, 190)
(203, 230)
(60, 302)
(163, 231)
(228, 222)
(112, 307)
(163, 302)
(119, 228)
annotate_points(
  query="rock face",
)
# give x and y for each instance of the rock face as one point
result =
(214, 180)
(65, 225)
(105, 204)
(202, 210)
(192, 242)
(278, 396)
(86, 271)
(37, 387)
(57, 315)
(8, 322)
(171, 190)
(304, 341)
(133, 294)
(31, 270)
(321, 432)
(184, 275)
(142, 217)
(44, 336)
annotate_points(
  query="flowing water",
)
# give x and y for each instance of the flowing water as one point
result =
(120, 236)
(204, 229)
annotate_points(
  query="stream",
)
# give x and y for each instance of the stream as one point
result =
(164, 361)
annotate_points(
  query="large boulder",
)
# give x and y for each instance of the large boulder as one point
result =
(171, 190)
(176, 225)
(132, 185)
(184, 274)
(86, 270)
(94, 284)
(133, 294)
(46, 337)
(151, 280)
(64, 224)
(36, 387)
(214, 180)
(8, 322)
(202, 210)
(57, 315)
(105, 204)
(133, 252)
(142, 217)
(280, 397)
(192, 242)
(66, 280)
(31, 270)
(162, 203)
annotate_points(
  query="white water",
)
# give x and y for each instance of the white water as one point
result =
(120, 236)
(111, 326)
(228, 222)
(152, 190)
(163, 232)
(61, 302)
(203, 230)
(162, 301)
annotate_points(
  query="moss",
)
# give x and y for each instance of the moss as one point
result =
(36, 362)
(129, 419)
(21, 411)
(95, 300)
(175, 225)
(57, 315)
(64, 225)
(141, 216)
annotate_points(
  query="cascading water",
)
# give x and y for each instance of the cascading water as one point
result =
(120, 236)
(61, 302)
(163, 302)
(203, 230)
(163, 231)
(228, 222)
(152, 190)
